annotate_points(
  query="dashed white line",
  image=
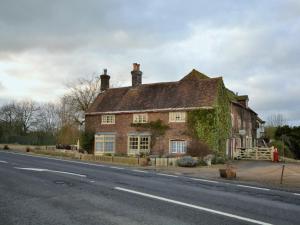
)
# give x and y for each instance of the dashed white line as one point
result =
(115, 167)
(46, 170)
(192, 206)
(140, 171)
(198, 179)
(166, 175)
(252, 187)
(100, 165)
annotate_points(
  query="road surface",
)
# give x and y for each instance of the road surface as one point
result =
(39, 190)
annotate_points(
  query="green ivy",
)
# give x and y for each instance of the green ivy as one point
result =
(157, 128)
(212, 126)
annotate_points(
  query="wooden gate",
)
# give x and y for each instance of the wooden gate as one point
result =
(255, 153)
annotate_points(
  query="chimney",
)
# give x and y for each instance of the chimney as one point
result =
(104, 80)
(136, 75)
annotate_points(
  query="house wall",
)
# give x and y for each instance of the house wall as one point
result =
(243, 119)
(122, 127)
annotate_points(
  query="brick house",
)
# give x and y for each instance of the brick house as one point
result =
(118, 116)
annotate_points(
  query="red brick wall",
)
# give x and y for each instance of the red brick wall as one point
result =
(122, 127)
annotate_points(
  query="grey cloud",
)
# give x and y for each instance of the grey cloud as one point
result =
(253, 45)
(2, 87)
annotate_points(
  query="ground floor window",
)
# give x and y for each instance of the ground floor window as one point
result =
(177, 146)
(138, 144)
(105, 143)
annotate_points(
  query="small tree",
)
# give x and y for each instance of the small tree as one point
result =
(87, 141)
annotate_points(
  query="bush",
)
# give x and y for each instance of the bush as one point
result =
(197, 148)
(201, 163)
(6, 147)
(120, 154)
(144, 154)
(218, 160)
(279, 145)
(87, 141)
(187, 161)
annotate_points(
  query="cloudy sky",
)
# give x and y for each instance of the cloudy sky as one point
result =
(253, 45)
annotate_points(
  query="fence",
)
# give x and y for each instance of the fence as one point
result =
(255, 153)
(51, 150)
(163, 161)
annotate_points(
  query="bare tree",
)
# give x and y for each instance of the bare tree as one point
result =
(79, 97)
(8, 113)
(276, 120)
(26, 112)
(48, 117)
(9, 119)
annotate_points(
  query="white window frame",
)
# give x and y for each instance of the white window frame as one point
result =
(177, 117)
(180, 144)
(139, 144)
(108, 119)
(140, 118)
(103, 139)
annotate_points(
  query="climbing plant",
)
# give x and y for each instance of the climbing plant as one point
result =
(157, 128)
(212, 126)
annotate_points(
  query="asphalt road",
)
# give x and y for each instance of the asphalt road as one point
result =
(38, 190)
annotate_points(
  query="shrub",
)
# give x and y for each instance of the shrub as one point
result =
(279, 145)
(121, 154)
(201, 163)
(5, 147)
(87, 141)
(187, 161)
(144, 154)
(197, 148)
(218, 160)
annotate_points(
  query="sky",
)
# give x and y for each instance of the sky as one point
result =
(254, 45)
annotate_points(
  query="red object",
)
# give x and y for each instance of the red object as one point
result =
(276, 155)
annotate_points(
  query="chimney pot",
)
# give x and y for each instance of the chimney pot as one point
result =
(136, 75)
(104, 81)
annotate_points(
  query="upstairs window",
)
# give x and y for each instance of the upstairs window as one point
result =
(177, 116)
(108, 119)
(140, 118)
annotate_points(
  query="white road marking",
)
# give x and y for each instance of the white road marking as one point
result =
(298, 194)
(192, 206)
(198, 179)
(1, 161)
(166, 175)
(92, 181)
(258, 188)
(30, 169)
(47, 170)
(115, 167)
(140, 171)
(63, 160)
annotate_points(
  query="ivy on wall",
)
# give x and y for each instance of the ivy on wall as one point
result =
(157, 128)
(212, 126)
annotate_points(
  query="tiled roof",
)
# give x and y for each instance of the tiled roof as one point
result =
(193, 90)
